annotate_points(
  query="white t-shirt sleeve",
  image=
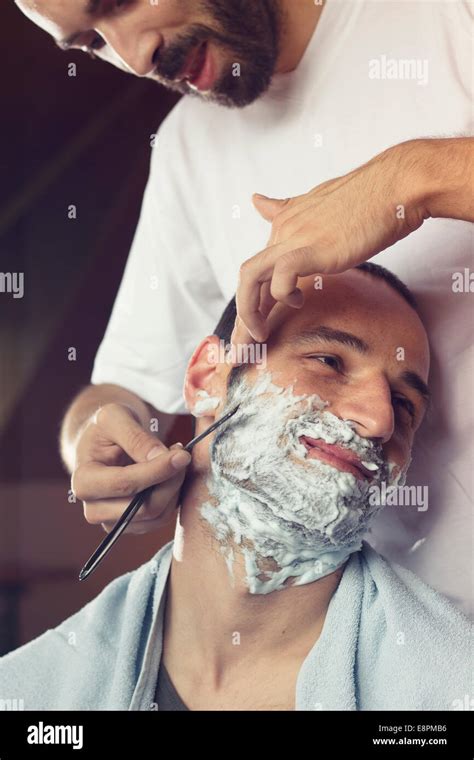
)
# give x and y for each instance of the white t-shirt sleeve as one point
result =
(168, 300)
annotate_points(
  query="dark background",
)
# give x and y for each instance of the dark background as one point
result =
(81, 140)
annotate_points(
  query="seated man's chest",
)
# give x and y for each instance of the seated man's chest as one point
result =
(257, 689)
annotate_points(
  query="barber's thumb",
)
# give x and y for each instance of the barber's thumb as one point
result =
(268, 207)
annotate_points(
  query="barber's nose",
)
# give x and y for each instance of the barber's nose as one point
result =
(136, 48)
(370, 407)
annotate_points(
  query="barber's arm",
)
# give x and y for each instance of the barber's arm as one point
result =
(347, 220)
(158, 316)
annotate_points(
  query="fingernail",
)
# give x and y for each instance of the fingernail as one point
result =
(153, 453)
(180, 459)
(296, 296)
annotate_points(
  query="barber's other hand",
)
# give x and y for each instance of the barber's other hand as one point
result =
(330, 229)
(115, 459)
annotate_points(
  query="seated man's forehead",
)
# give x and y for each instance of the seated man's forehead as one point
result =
(356, 292)
(362, 285)
(361, 304)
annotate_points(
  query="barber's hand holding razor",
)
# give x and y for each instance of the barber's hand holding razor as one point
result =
(115, 459)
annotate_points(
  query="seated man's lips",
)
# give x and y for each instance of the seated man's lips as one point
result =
(337, 456)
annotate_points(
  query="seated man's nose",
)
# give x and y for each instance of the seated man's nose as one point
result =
(373, 417)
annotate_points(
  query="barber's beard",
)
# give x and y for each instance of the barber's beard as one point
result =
(248, 32)
(298, 516)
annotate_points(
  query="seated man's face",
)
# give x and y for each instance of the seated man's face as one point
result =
(333, 412)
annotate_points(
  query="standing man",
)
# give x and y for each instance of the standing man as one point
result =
(354, 118)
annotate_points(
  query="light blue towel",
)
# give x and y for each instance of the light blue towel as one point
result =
(389, 642)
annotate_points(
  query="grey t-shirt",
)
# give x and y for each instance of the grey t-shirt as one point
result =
(166, 696)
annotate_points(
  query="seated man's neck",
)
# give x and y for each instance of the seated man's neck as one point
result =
(212, 618)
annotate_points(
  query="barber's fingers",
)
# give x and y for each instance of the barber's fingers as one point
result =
(290, 258)
(117, 423)
(141, 527)
(288, 269)
(267, 301)
(93, 480)
(253, 273)
(158, 508)
(240, 337)
(240, 334)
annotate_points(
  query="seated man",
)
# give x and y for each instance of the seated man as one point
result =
(268, 598)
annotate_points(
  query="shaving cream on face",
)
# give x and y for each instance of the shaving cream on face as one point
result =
(274, 503)
(205, 404)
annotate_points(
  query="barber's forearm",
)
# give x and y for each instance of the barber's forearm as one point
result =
(86, 404)
(446, 171)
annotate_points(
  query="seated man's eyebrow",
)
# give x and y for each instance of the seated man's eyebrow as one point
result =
(329, 335)
(413, 380)
(91, 8)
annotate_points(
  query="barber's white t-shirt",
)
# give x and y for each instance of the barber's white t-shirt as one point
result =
(374, 74)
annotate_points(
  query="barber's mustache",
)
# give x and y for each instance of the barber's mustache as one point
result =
(171, 59)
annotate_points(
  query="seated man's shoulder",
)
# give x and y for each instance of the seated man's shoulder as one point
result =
(398, 590)
(82, 650)
(413, 633)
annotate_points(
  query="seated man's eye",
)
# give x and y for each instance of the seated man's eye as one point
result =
(405, 403)
(330, 361)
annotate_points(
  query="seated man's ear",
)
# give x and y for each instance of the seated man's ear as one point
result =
(205, 382)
